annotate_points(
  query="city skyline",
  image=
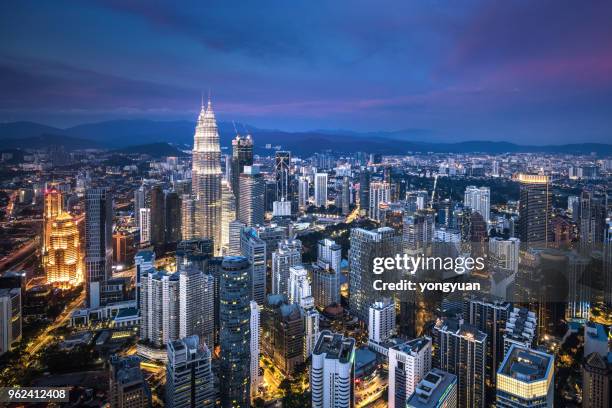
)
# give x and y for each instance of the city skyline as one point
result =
(436, 71)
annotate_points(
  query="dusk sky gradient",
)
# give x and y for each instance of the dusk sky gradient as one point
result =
(531, 72)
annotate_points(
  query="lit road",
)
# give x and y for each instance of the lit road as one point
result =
(20, 254)
(371, 392)
(45, 337)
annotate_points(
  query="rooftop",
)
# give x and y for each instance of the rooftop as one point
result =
(335, 346)
(526, 365)
(432, 389)
(412, 346)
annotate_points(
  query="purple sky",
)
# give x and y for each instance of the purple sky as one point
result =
(523, 71)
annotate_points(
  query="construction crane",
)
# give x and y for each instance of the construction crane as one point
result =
(433, 193)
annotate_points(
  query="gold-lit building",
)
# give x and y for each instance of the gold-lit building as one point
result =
(63, 260)
(54, 205)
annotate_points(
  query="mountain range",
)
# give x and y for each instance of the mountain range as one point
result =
(120, 134)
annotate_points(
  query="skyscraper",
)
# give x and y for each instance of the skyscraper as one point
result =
(253, 248)
(10, 318)
(172, 227)
(127, 385)
(189, 377)
(234, 314)
(144, 216)
(332, 375)
(242, 155)
(288, 254)
(255, 332)
(379, 193)
(460, 349)
(54, 206)
(607, 263)
(299, 285)
(479, 200)
(206, 177)
(282, 337)
(320, 185)
(408, 364)
(196, 305)
(365, 246)
(381, 322)
(364, 191)
(158, 215)
(521, 328)
(282, 166)
(228, 214)
(525, 379)
(303, 193)
(250, 209)
(63, 255)
(596, 382)
(188, 217)
(98, 241)
(159, 307)
(534, 208)
(438, 389)
(329, 253)
(346, 195)
(325, 286)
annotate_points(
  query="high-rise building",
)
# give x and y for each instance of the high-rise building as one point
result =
(535, 208)
(365, 246)
(189, 376)
(159, 307)
(504, 253)
(228, 214)
(418, 231)
(489, 315)
(312, 319)
(196, 305)
(250, 208)
(282, 337)
(332, 375)
(299, 286)
(206, 177)
(438, 389)
(98, 241)
(242, 155)
(320, 185)
(145, 226)
(607, 263)
(380, 192)
(253, 248)
(143, 260)
(235, 336)
(63, 253)
(127, 385)
(281, 209)
(521, 329)
(303, 192)
(346, 195)
(172, 227)
(158, 215)
(460, 349)
(255, 332)
(10, 318)
(282, 168)
(592, 220)
(325, 286)
(142, 199)
(364, 191)
(525, 379)
(408, 364)
(596, 382)
(381, 322)
(188, 217)
(288, 254)
(329, 253)
(54, 206)
(479, 200)
(235, 234)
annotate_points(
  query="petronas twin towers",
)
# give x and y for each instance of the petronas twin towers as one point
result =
(206, 177)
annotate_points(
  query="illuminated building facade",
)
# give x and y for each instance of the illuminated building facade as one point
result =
(63, 260)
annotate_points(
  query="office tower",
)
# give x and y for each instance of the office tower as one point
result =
(438, 389)
(10, 318)
(364, 191)
(242, 155)
(596, 382)
(158, 215)
(269, 194)
(235, 335)
(172, 227)
(63, 253)
(365, 246)
(408, 364)
(495, 170)
(312, 319)
(253, 248)
(381, 322)
(460, 349)
(235, 233)
(592, 220)
(255, 331)
(379, 193)
(299, 286)
(346, 195)
(489, 315)
(303, 193)
(504, 253)
(145, 226)
(250, 208)
(288, 254)
(535, 208)
(194, 254)
(479, 200)
(333, 371)
(98, 241)
(143, 260)
(228, 214)
(579, 287)
(142, 199)
(525, 379)
(320, 184)
(418, 231)
(159, 307)
(206, 177)
(330, 253)
(282, 166)
(54, 206)
(282, 338)
(445, 213)
(325, 286)
(196, 305)
(188, 217)
(189, 376)
(521, 329)
(127, 385)
(607, 263)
